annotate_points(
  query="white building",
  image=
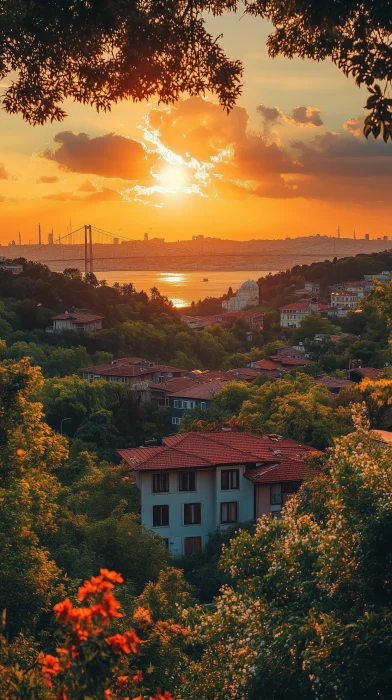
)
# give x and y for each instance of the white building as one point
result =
(344, 299)
(361, 288)
(247, 296)
(15, 268)
(89, 323)
(197, 482)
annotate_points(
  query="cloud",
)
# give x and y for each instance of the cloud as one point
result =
(47, 179)
(3, 172)
(87, 186)
(306, 116)
(105, 195)
(355, 125)
(110, 155)
(270, 114)
(62, 197)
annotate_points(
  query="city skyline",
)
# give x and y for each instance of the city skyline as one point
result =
(289, 160)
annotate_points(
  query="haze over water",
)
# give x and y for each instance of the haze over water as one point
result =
(183, 287)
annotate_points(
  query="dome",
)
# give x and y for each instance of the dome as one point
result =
(250, 286)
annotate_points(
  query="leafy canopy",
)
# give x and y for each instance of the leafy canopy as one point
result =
(99, 53)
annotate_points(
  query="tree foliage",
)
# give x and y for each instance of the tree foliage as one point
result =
(309, 611)
(99, 54)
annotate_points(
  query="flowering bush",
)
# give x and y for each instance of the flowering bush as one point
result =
(94, 658)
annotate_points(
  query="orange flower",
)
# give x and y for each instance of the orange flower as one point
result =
(62, 695)
(50, 665)
(111, 605)
(107, 694)
(111, 575)
(138, 677)
(123, 643)
(122, 682)
(64, 610)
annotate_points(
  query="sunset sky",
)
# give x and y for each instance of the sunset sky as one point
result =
(290, 160)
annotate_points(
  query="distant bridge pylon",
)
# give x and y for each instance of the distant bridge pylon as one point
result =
(84, 235)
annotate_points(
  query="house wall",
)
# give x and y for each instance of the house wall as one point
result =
(263, 506)
(208, 493)
(177, 413)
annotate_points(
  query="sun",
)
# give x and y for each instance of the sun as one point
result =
(173, 178)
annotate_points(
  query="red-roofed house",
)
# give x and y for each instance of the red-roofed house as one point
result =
(196, 482)
(89, 323)
(356, 374)
(133, 371)
(198, 395)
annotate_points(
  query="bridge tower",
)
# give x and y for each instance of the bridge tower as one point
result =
(88, 249)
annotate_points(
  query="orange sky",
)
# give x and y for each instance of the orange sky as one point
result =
(289, 160)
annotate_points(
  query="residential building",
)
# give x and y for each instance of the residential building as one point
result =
(333, 385)
(246, 297)
(198, 396)
(196, 482)
(6, 266)
(356, 374)
(344, 299)
(291, 315)
(133, 371)
(361, 288)
(297, 351)
(312, 287)
(384, 276)
(75, 321)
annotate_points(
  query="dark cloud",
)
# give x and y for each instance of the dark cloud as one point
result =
(47, 179)
(270, 114)
(306, 116)
(110, 155)
(3, 172)
(87, 186)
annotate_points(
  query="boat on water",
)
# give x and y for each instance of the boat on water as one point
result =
(205, 279)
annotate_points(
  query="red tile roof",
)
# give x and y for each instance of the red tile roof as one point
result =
(285, 470)
(332, 382)
(265, 364)
(295, 306)
(206, 390)
(367, 372)
(170, 386)
(290, 361)
(283, 458)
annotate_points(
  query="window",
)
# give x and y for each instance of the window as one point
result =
(160, 482)
(160, 516)
(191, 545)
(229, 512)
(288, 489)
(230, 479)
(176, 421)
(165, 542)
(203, 405)
(187, 481)
(276, 494)
(192, 513)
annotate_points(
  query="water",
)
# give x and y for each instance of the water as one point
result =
(183, 287)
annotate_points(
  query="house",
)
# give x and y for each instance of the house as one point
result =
(291, 315)
(289, 362)
(271, 369)
(332, 384)
(247, 296)
(292, 351)
(6, 266)
(75, 321)
(344, 299)
(361, 288)
(356, 374)
(312, 287)
(133, 371)
(196, 482)
(384, 276)
(197, 396)
(161, 392)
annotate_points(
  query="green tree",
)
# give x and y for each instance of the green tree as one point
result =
(308, 613)
(29, 456)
